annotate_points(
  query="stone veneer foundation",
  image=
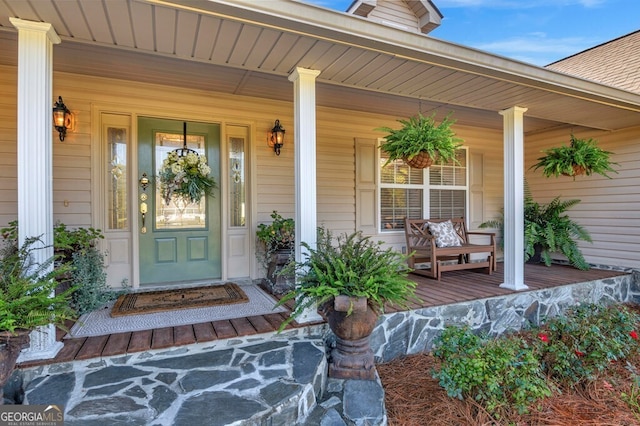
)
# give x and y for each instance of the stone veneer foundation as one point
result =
(412, 332)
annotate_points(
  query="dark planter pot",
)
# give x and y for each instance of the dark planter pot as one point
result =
(10, 347)
(276, 282)
(352, 358)
(537, 255)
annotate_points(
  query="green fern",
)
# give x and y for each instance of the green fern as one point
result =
(548, 227)
(422, 134)
(554, 231)
(356, 266)
(582, 153)
(27, 289)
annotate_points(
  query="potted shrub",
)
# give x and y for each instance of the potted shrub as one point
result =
(276, 242)
(27, 300)
(547, 230)
(421, 141)
(349, 284)
(582, 156)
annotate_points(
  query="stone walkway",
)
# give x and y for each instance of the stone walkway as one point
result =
(269, 379)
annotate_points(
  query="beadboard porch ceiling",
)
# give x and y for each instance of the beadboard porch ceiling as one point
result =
(249, 47)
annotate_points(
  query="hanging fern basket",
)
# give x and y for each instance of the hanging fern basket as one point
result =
(422, 160)
(421, 141)
(580, 157)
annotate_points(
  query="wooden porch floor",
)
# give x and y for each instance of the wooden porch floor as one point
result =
(455, 287)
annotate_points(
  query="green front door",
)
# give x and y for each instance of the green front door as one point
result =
(179, 241)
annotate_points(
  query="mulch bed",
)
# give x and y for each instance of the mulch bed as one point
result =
(414, 398)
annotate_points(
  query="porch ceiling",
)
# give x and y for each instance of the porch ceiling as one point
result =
(249, 48)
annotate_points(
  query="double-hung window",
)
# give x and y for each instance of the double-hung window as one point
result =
(439, 191)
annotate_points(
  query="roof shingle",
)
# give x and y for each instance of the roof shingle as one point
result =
(614, 63)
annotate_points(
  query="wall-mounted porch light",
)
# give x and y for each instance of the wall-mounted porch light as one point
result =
(61, 118)
(276, 137)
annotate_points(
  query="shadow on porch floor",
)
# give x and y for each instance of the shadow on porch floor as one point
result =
(455, 286)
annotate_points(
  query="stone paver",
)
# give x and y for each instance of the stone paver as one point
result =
(275, 379)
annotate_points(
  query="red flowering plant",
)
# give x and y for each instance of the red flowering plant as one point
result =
(574, 348)
(516, 370)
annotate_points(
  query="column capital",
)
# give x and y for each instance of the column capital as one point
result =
(513, 110)
(300, 72)
(44, 27)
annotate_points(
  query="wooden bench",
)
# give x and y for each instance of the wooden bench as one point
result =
(422, 244)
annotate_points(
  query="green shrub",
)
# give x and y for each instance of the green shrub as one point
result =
(575, 347)
(498, 373)
(515, 371)
(90, 280)
(68, 241)
(279, 235)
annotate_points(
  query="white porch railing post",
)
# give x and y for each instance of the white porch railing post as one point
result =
(35, 158)
(304, 90)
(513, 198)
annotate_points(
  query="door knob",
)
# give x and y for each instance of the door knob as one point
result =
(144, 181)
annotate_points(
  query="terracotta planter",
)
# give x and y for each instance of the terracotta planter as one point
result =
(420, 161)
(10, 347)
(352, 358)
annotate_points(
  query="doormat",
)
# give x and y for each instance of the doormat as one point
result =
(100, 322)
(186, 298)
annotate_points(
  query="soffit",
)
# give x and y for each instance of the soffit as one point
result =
(249, 48)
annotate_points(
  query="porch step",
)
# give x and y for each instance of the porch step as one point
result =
(269, 379)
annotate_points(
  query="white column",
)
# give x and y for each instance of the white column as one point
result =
(513, 198)
(304, 104)
(35, 130)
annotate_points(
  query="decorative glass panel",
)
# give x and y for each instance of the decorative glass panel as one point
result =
(237, 184)
(178, 213)
(117, 178)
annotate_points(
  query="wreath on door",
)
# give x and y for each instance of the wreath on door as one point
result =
(186, 177)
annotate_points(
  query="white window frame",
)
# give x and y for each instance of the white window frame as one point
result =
(426, 188)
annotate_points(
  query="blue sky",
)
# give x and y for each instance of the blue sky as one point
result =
(533, 31)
